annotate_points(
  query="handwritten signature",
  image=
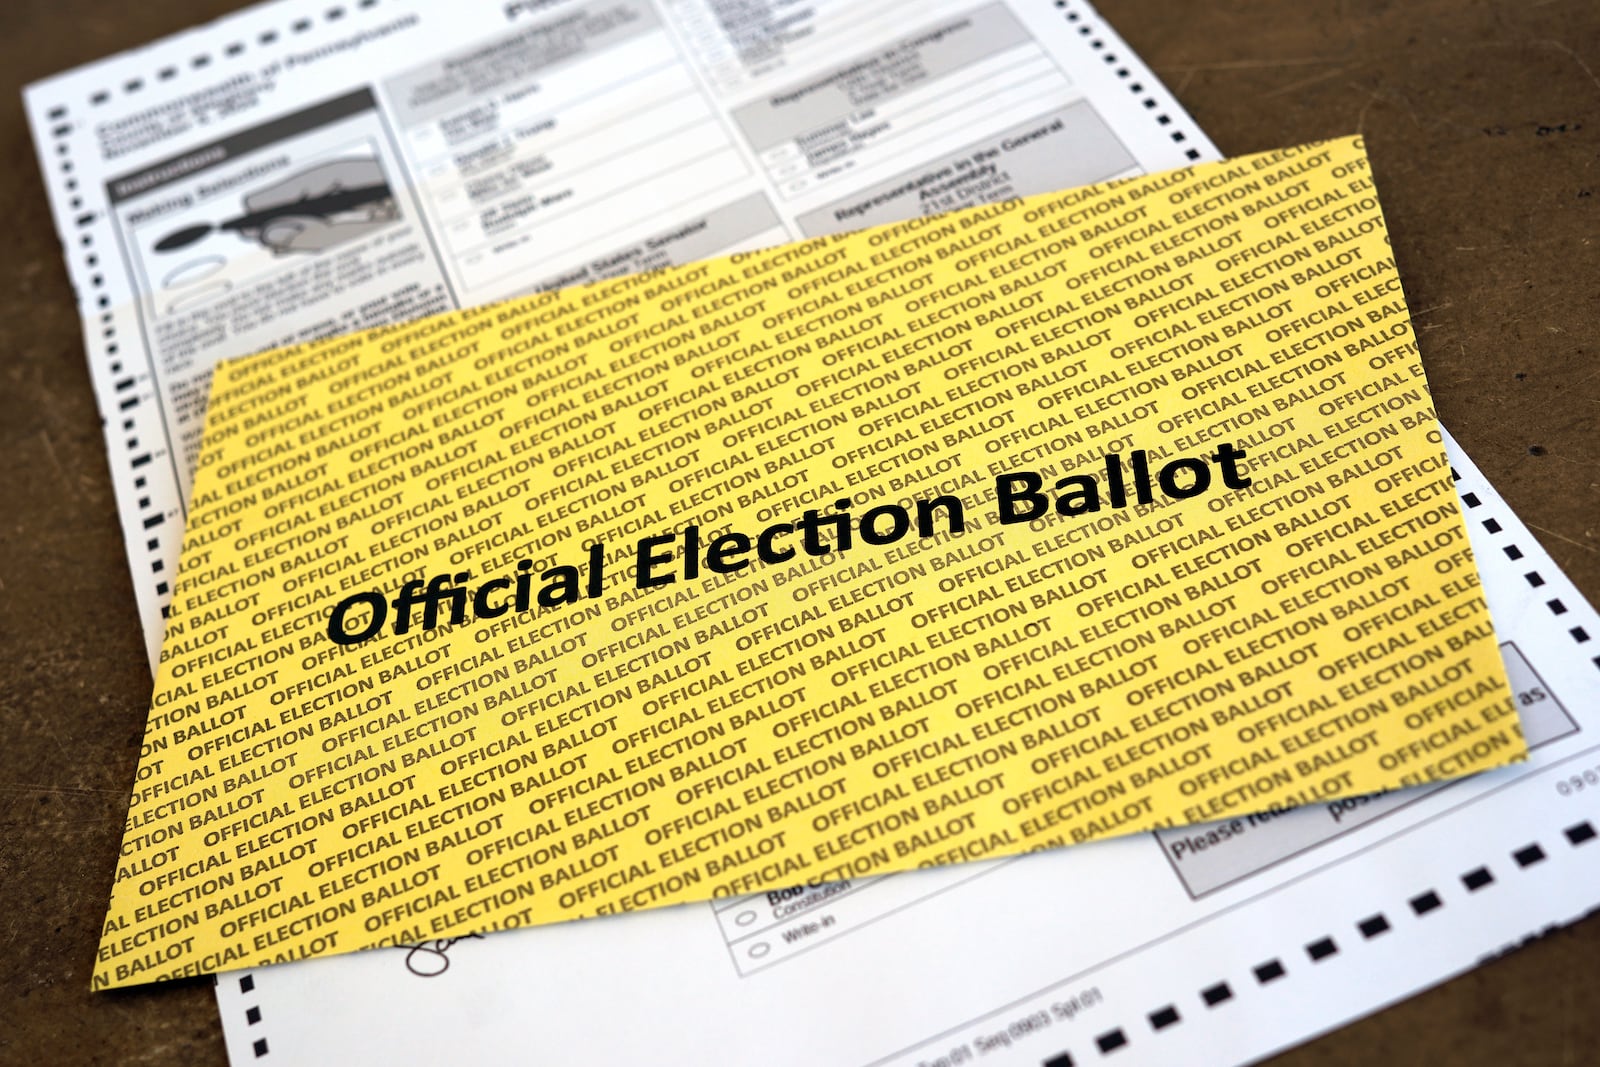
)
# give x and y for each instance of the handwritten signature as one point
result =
(430, 959)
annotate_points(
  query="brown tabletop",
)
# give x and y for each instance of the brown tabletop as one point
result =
(1483, 122)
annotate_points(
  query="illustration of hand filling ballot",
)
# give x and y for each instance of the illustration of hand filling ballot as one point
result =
(1017, 527)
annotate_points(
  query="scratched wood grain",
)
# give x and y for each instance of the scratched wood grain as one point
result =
(1484, 122)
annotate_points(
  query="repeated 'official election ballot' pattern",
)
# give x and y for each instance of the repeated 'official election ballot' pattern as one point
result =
(1072, 516)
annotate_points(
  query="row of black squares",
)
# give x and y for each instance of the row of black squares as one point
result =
(1325, 948)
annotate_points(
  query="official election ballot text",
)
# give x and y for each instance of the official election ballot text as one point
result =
(1167, 536)
(1019, 497)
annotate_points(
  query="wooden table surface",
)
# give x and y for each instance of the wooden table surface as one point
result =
(1483, 121)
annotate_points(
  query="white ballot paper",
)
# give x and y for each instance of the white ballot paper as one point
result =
(297, 170)
(1212, 944)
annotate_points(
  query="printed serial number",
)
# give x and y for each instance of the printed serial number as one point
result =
(1577, 782)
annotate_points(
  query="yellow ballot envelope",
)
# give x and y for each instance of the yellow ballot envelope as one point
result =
(1017, 527)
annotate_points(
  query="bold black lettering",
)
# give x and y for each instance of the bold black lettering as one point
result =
(1226, 458)
(336, 628)
(955, 520)
(721, 552)
(648, 559)
(1169, 480)
(1022, 487)
(899, 523)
